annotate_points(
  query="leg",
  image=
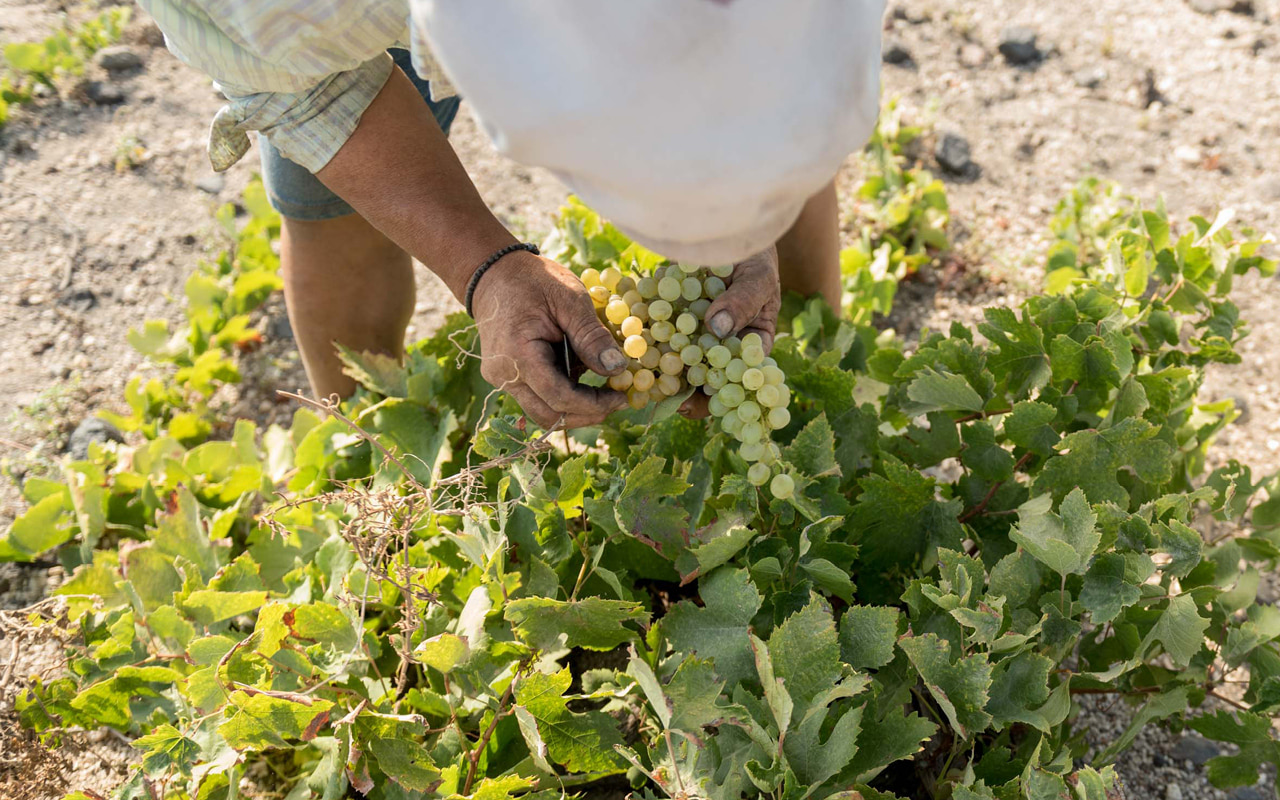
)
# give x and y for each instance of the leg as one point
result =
(344, 282)
(809, 253)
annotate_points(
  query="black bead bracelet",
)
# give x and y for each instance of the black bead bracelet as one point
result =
(489, 262)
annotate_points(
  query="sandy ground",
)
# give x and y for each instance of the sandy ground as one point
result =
(1170, 97)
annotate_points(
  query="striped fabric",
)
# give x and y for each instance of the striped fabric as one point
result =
(301, 72)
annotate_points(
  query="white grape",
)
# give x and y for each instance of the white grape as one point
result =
(699, 307)
(686, 323)
(609, 276)
(631, 297)
(632, 326)
(782, 486)
(669, 289)
(713, 287)
(617, 311)
(643, 380)
(590, 277)
(599, 295)
(767, 395)
(669, 384)
(719, 356)
(734, 344)
(735, 370)
(748, 410)
(758, 474)
(706, 341)
(647, 287)
(622, 381)
(637, 399)
(751, 432)
(627, 284)
(752, 451)
(731, 424)
(640, 311)
(716, 378)
(772, 375)
(690, 355)
(722, 271)
(752, 379)
(691, 289)
(635, 346)
(679, 341)
(716, 406)
(778, 418)
(688, 269)
(671, 364)
(660, 311)
(752, 355)
(697, 375)
(733, 395)
(650, 358)
(662, 331)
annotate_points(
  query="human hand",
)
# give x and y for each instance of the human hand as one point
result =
(749, 304)
(526, 306)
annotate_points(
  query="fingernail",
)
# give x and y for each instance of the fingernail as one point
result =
(613, 359)
(722, 324)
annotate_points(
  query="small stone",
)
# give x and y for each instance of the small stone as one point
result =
(1188, 155)
(1158, 760)
(954, 154)
(972, 55)
(1251, 793)
(898, 55)
(212, 183)
(118, 58)
(103, 94)
(1258, 45)
(89, 431)
(80, 300)
(1245, 7)
(1089, 77)
(1018, 46)
(1195, 749)
(1173, 792)
(279, 329)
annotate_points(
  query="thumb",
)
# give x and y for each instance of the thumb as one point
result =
(741, 303)
(590, 339)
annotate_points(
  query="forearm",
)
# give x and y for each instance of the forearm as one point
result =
(400, 173)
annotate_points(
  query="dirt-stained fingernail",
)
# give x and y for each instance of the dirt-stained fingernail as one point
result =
(613, 359)
(722, 324)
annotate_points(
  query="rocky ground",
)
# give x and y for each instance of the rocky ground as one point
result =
(106, 203)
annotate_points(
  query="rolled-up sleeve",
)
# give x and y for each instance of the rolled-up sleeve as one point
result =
(299, 72)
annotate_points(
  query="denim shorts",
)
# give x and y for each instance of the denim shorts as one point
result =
(297, 194)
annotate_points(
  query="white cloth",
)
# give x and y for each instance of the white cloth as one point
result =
(700, 128)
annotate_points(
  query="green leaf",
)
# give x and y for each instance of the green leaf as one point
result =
(1029, 426)
(645, 508)
(42, 527)
(165, 748)
(1180, 630)
(592, 623)
(261, 721)
(321, 623)
(1160, 706)
(718, 630)
(805, 653)
(982, 455)
(867, 636)
(377, 372)
(886, 738)
(813, 450)
(209, 607)
(443, 652)
(1089, 460)
(960, 688)
(1251, 733)
(1019, 687)
(1110, 586)
(580, 742)
(935, 391)
(406, 762)
(1064, 543)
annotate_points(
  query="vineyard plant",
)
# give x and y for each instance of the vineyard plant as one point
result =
(419, 594)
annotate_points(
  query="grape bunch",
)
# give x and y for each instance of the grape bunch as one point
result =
(659, 320)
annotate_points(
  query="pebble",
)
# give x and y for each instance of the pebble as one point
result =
(1251, 793)
(1018, 46)
(1245, 7)
(1089, 77)
(278, 328)
(88, 431)
(898, 55)
(954, 154)
(1188, 155)
(118, 58)
(80, 300)
(103, 94)
(1195, 749)
(212, 183)
(1173, 792)
(972, 55)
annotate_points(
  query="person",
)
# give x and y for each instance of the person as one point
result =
(707, 130)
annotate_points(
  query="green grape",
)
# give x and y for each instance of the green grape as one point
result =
(753, 355)
(631, 297)
(752, 340)
(767, 395)
(733, 395)
(599, 296)
(659, 311)
(691, 289)
(706, 341)
(688, 269)
(669, 384)
(679, 341)
(719, 356)
(640, 311)
(716, 378)
(752, 451)
(784, 396)
(590, 277)
(751, 432)
(772, 375)
(609, 276)
(734, 344)
(758, 474)
(722, 271)
(617, 310)
(643, 380)
(648, 287)
(637, 399)
(735, 370)
(631, 326)
(752, 379)
(635, 346)
(669, 289)
(716, 406)
(731, 424)
(771, 453)
(627, 284)
(662, 331)
(651, 357)
(686, 323)
(782, 486)
(622, 381)
(670, 364)
(697, 374)
(691, 355)
(699, 307)
(713, 287)
(749, 410)
(778, 418)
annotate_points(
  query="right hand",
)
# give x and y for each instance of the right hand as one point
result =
(525, 307)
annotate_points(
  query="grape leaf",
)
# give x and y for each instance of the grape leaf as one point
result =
(935, 391)
(641, 509)
(1251, 733)
(1028, 425)
(1019, 687)
(867, 636)
(580, 742)
(1089, 460)
(165, 748)
(813, 450)
(805, 653)
(1020, 361)
(261, 721)
(1180, 630)
(1064, 543)
(718, 631)
(592, 623)
(1110, 586)
(960, 688)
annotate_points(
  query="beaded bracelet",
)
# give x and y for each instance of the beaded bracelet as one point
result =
(489, 262)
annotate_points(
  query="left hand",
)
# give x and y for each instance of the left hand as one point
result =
(750, 304)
